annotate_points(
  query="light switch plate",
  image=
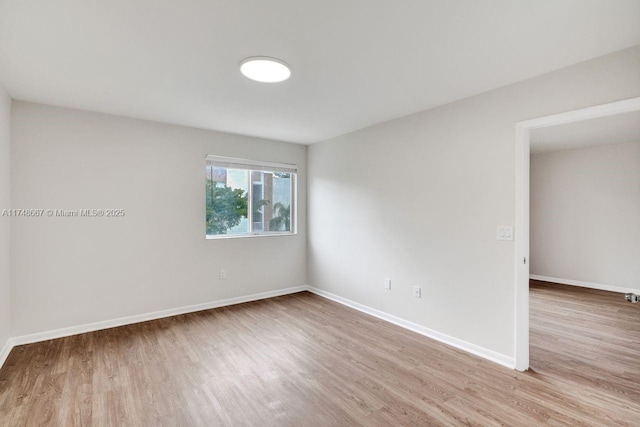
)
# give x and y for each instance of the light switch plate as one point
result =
(505, 233)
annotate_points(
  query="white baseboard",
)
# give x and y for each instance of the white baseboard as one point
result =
(422, 330)
(4, 353)
(590, 285)
(91, 327)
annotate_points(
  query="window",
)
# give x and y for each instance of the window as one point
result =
(249, 198)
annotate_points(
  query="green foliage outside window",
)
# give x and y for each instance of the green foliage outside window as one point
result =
(226, 207)
(282, 220)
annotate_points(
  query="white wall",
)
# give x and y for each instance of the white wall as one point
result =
(418, 199)
(73, 271)
(5, 222)
(585, 215)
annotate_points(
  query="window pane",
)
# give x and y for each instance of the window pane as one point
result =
(271, 201)
(258, 201)
(227, 200)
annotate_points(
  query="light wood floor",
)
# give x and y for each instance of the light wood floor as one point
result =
(303, 360)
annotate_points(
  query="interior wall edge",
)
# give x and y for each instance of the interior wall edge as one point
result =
(6, 104)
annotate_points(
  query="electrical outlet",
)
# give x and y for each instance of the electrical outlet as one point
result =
(417, 292)
(387, 284)
(223, 274)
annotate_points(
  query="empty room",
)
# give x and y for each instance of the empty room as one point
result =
(585, 217)
(305, 213)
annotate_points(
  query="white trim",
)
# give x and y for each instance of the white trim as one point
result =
(91, 327)
(603, 110)
(422, 330)
(244, 236)
(523, 153)
(610, 288)
(238, 163)
(521, 329)
(4, 353)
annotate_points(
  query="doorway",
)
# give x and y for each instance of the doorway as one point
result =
(522, 235)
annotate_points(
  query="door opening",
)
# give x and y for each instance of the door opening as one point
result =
(523, 154)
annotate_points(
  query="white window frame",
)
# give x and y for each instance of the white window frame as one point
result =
(257, 166)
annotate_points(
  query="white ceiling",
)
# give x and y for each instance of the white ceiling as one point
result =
(355, 62)
(618, 129)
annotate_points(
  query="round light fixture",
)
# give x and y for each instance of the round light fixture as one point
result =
(264, 69)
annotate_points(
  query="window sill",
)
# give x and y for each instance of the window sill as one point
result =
(247, 236)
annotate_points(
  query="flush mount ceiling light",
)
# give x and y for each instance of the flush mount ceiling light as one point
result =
(264, 69)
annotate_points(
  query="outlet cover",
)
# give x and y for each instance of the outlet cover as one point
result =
(417, 292)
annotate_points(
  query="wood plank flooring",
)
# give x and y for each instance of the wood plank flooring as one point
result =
(301, 360)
